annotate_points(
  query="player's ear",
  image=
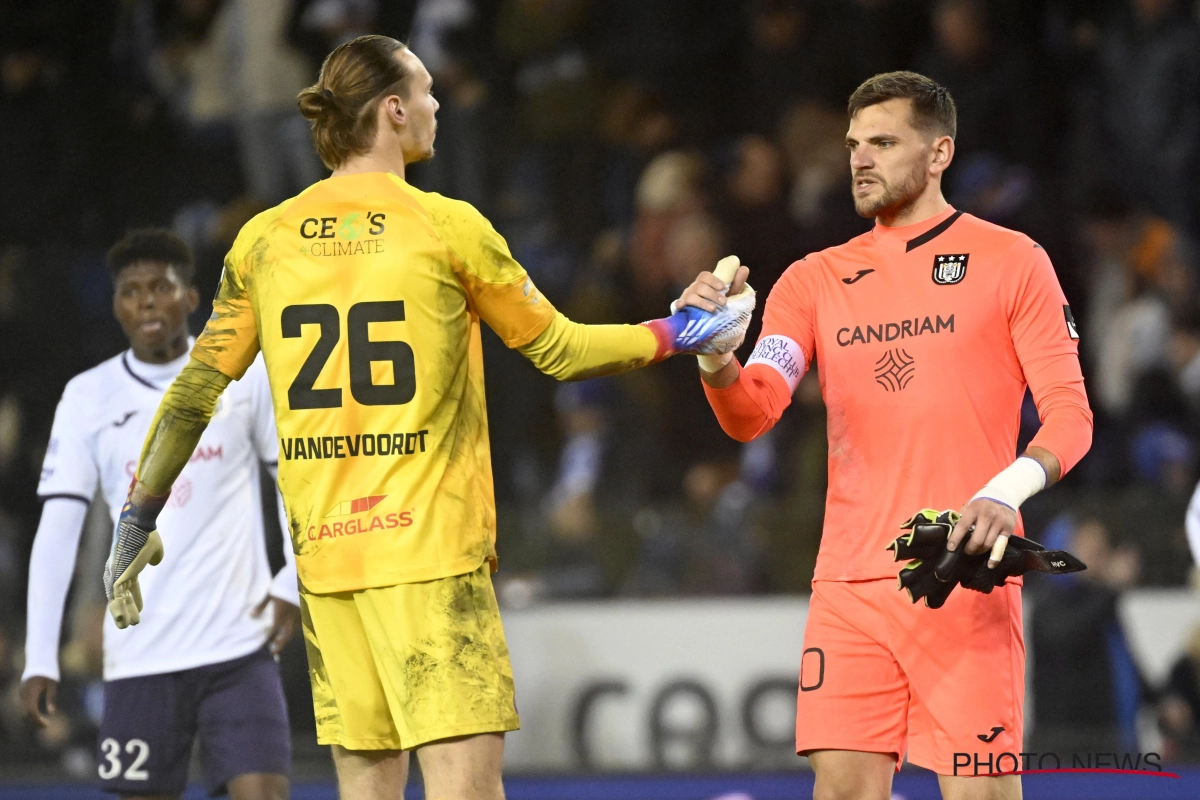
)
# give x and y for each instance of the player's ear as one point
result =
(942, 153)
(393, 107)
(193, 298)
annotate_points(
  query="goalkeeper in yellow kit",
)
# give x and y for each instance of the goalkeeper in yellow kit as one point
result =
(365, 296)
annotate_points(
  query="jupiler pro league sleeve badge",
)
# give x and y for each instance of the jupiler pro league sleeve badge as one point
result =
(1072, 330)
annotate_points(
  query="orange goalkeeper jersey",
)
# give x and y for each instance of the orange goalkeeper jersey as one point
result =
(365, 296)
(926, 337)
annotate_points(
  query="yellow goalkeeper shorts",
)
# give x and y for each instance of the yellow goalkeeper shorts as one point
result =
(397, 667)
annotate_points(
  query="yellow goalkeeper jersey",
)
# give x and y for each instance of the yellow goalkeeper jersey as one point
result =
(365, 296)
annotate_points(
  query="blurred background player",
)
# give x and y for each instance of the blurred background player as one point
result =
(200, 663)
(365, 296)
(927, 329)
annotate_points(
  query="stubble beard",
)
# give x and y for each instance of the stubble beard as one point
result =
(896, 199)
(417, 158)
(422, 155)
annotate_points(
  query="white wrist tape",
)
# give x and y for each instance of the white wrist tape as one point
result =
(1016, 483)
(714, 363)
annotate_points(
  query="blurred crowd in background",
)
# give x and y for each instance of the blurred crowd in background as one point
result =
(621, 146)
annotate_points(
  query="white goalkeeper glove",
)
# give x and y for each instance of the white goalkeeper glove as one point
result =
(711, 334)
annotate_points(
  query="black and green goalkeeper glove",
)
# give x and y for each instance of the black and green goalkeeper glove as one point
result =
(933, 571)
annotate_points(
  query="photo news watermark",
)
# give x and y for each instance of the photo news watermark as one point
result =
(980, 765)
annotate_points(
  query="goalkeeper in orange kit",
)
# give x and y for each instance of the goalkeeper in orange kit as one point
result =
(928, 331)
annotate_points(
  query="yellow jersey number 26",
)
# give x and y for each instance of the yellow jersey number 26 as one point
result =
(362, 351)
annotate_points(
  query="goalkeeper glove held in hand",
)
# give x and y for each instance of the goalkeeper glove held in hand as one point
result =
(933, 571)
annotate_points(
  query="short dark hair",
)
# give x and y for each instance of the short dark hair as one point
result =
(933, 108)
(151, 244)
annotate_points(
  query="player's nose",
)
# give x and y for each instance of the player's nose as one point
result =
(860, 158)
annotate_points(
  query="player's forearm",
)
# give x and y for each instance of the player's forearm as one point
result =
(570, 351)
(51, 565)
(181, 419)
(745, 406)
(1066, 432)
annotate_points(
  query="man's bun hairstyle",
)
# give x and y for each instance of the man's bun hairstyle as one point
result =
(933, 110)
(157, 245)
(340, 106)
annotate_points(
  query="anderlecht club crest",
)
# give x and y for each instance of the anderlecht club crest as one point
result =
(950, 269)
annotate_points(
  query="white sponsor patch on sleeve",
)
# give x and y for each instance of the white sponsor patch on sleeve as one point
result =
(783, 355)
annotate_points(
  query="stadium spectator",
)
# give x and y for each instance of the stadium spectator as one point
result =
(1179, 706)
(670, 188)
(634, 128)
(448, 33)
(36, 126)
(557, 94)
(705, 545)
(318, 26)
(1135, 336)
(1185, 354)
(573, 568)
(1149, 76)
(812, 137)
(687, 53)
(987, 79)
(754, 210)
(1086, 687)
(247, 73)
(871, 36)
(787, 59)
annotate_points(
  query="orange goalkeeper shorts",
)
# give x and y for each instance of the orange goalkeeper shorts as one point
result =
(881, 674)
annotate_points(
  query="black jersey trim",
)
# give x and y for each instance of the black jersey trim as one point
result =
(87, 501)
(134, 375)
(934, 232)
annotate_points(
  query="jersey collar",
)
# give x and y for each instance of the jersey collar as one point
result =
(918, 233)
(155, 376)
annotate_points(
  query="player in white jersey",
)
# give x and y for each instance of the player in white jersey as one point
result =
(200, 663)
